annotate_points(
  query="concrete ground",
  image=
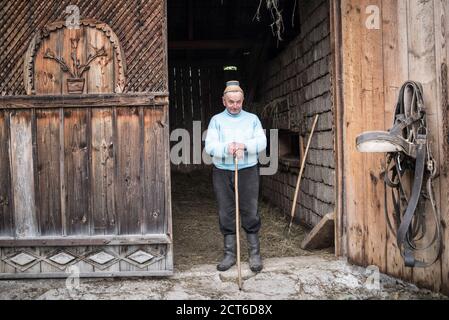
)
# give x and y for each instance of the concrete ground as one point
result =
(305, 278)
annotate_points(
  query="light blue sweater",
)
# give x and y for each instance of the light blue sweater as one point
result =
(225, 128)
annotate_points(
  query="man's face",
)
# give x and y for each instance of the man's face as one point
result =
(233, 102)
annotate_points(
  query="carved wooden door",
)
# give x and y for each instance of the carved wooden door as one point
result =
(85, 180)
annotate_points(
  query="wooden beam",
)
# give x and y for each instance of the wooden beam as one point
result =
(84, 241)
(86, 101)
(99, 274)
(338, 103)
(322, 236)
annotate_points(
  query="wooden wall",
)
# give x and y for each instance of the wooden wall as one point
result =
(411, 43)
(83, 170)
(196, 90)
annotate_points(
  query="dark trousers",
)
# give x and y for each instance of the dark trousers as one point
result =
(223, 181)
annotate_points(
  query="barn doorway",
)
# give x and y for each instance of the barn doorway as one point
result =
(286, 82)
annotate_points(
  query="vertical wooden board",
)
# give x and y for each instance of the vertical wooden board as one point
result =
(217, 86)
(394, 14)
(444, 136)
(48, 71)
(23, 175)
(352, 22)
(205, 97)
(6, 201)
(69, 45)
(76, 171)
(167, 185)
(128, 185)
(154, 185)
(100, 77)
(422, 68)
(372, 105)
(48, 172)
(102, 164)
(173, 96)
(442, 108)
(197, 106)
(187, 101)
(179, 97)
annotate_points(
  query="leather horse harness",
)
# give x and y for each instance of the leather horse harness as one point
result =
(408, 155)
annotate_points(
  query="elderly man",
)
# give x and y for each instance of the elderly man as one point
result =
(236, 133)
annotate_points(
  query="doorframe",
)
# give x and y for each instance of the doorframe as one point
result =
(336, 36)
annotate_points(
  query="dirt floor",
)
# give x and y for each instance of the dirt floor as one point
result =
(197, 238)
(289, 273)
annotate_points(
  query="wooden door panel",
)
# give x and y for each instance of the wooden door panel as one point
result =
(87, 185)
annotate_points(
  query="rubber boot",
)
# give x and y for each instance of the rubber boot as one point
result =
(230, 243)
(255, 261)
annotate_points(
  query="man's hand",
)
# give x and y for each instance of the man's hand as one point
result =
(239, 154)
(236, 149)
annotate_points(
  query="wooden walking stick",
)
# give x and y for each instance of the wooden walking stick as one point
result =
(237, 220)
(298, 183)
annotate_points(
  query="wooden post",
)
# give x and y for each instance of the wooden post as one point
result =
(237, 221)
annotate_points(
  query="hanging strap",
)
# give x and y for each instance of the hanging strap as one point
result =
(410, 121)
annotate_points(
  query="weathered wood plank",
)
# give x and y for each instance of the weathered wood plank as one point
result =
(321, 236)
(197, 106)
(422, 67)
(355, 171)
(154, 164)
(128, 186)
(173, 95)
(180, 87)
(83, 101)
(444, 138)
(76, 171)
(48, 172)
(100, 78)
(102, 193)
(372, 97)
(121, 274)
(205, 97)
(441, 14)
(395, 67)
(94, 240)
(23, 175)
(6, 200)
(187, 98)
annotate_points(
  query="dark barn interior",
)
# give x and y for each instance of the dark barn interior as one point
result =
(286, 82)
